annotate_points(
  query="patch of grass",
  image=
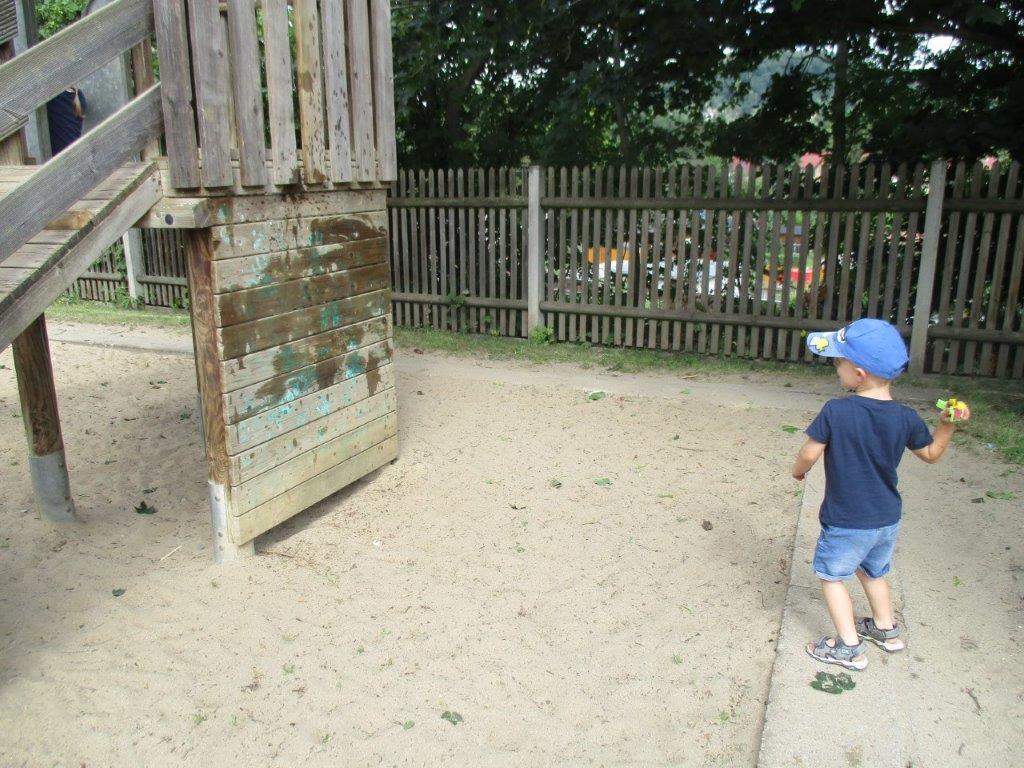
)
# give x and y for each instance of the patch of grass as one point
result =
(100, 313)
(588, 356)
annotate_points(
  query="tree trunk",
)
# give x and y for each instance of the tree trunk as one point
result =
(839, 90)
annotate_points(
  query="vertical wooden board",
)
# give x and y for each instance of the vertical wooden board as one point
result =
(658, 260)
(948, 264)
(756, 336)
(844, 301)
(309, 74)
(617, 277)
(858, 301)
(433, 255)
(583, 284)
(642, 257)
(960, 307)
(979, 275)
(169, 19)
(800, 289)
(248, 100)
(442, 250)
(716, 296)
(679, 298)
(997, 291)
(462, 218)
(514, 260)
(562, 255)
(280, 88)
(360, 69)
(492, 251)
(831, 259)
(878, 253)
(209, 70)
(910, 251)
(693, 258)
(1010, 308)
(606, 260)
(731, 282)
(332, 13)
(890, 259)
(749, 279)
(633, 246)
(383, 89)
(472, 314)
(573, 278)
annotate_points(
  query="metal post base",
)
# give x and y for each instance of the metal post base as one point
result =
(224, 550)
(52, 488)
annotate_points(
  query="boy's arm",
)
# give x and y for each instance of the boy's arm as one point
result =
(807, 457)
(940, 438)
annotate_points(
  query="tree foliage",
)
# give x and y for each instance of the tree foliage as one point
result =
(648, 81)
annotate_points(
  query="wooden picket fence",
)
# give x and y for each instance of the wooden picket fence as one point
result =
(160, 279)
(729, 260)
(722, 259)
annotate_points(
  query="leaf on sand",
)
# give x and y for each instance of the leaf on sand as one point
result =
(597, 394)
(604, 481)
(556, 483)
(118, 592)
(452, 717)
(790, 428)
(829, 683)
(1001, 495)
(145, 509)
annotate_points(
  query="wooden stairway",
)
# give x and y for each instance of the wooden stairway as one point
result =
(38, 272)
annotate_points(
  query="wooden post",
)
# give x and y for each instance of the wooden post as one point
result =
(46, 461)
(47, 465)
(534, 252)
(133, 261)
(198, 251)
(926, 272)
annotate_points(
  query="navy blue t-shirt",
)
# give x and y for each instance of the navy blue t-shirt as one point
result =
(864, 441)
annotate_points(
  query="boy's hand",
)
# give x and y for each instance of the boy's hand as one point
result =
(963, 414)
(801, 476)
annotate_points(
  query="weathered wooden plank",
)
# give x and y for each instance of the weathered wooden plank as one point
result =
(176, 93)
(280, 88)
(309, 74)
(68, 176)
(903, 313)
(266, 516)
(295, 205)
(266, 269)
(980, 272)
(996, 291)
(255, 303)
(257, 335)
(234, 240)
(49, 67)
(245, 81)
(308, 465)
(209, 72)
(332, 14)
(360, 67)
(144, 77)
(177, 213)
(342, 419)
(298, 412)
(946, 285)
(261, 366)
(279, 391)
(16, 312)
(383, 89)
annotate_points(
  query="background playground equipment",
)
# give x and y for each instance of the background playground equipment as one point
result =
(284, 229)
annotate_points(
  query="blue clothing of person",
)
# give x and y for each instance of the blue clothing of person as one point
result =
(65, 125)
(864, 442)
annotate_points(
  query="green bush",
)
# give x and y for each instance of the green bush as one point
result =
(542, 335)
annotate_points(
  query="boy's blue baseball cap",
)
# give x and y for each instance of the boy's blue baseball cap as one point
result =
(874, 345)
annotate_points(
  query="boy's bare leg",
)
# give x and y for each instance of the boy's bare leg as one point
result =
(879, 598)
(840, 608)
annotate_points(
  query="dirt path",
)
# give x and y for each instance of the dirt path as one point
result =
(585, 582)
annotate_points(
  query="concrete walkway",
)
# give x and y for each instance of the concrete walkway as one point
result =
(955, 697)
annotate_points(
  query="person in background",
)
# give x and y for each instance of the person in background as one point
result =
(65, 114)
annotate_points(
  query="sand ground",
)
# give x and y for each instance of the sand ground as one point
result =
(630, 621)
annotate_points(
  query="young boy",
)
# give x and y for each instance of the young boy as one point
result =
(863, 438)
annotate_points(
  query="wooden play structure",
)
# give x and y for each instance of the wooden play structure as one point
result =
(277, 118)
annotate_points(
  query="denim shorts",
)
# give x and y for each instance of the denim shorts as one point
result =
(841, 551)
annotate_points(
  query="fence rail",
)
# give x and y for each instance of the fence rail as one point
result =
(715, 259)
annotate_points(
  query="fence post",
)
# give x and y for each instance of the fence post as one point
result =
(926, 272)
(534, 254)
(133, 263)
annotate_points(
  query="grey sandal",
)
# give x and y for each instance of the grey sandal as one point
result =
(886, 639)
(848, 656)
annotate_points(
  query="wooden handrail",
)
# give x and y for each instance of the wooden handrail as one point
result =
(64, 179)
(43, 71)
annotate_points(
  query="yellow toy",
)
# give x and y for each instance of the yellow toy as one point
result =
(955, 408)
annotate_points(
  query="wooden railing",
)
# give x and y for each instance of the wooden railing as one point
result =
(235, 138)
(31, 79)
